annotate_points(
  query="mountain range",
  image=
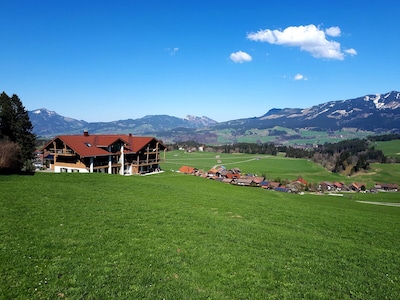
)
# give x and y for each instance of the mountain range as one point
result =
(378, 113)
(48, 123)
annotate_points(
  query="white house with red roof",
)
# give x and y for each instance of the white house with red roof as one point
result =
(112, 154)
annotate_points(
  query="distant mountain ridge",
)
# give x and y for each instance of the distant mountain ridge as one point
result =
(371, 112)
(48, 123)
(375, 113)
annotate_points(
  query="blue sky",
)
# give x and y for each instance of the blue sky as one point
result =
(110, 60)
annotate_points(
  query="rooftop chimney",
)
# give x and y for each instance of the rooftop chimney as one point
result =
(86, 133)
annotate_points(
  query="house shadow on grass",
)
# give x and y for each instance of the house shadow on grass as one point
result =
(6, 171)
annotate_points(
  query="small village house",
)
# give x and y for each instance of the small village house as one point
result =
(187, 170)
(392, 187)
(112, 154)
(357, 187)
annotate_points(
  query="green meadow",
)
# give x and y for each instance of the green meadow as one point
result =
(390, 148)
(278, 167)
(305, 136)
(175, 236)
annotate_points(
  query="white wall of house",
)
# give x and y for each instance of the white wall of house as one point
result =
(59, 169)
(122, 161)
(128, 169)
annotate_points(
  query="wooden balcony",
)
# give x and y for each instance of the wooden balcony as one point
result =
(145, 162)
(152, 151)
(68, 152)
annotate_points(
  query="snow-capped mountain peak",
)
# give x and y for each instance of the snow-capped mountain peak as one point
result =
(386, 101)
(370, 112)
(44, 111)
(204, 121)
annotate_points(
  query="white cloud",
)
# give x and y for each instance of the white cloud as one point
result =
(240, 57)
(351, 51)
(299, 77)
(333, 31)
(176, 49)
(172, 51)
(308, 38)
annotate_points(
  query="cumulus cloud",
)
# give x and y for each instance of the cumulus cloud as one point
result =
(351, 51)
(309, 38)
(299, 77)
(333, 31)
(240, 57)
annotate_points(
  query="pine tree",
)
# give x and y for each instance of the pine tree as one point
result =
(23, 130)
(6, 118)
(16, 127)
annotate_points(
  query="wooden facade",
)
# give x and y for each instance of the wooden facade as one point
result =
(112, 154)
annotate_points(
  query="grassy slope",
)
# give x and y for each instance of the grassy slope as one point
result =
(172, 236)
(390, 148)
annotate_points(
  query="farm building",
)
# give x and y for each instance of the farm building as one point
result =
(386, 187)
(112, 154)
(187, 170)
(357, 187)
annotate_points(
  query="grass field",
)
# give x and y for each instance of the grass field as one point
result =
(254, 135)
(390, 148)
(274, 167)
(174, 236)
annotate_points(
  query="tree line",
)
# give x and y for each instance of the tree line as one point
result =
(249, 148)
(348, 156)
(384, 137)
(17, 142)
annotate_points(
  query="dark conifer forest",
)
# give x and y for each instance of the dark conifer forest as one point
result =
(17, 142)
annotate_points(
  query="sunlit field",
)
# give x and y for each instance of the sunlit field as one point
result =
(390, 148)
(274, 167)
(175, 236)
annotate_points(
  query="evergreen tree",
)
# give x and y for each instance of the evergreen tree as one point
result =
(16, 127)
(23, 130)
(6, 118)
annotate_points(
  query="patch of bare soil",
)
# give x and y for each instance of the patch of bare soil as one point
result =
(382, 203)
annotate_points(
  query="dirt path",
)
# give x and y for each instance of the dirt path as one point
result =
(381, 203)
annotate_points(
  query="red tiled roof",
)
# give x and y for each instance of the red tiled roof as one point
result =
(338, 184)
(301, 180)
(258, 179)
(230, 175)
(274, 184)
(139, 142)
(357, 185)
(90, 145)
(186, 169)
(83, 145)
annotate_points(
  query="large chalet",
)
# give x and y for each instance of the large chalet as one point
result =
(113, 154)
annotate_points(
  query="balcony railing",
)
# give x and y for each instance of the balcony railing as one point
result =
(61, 151)
(145, 162)
(152, 151)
